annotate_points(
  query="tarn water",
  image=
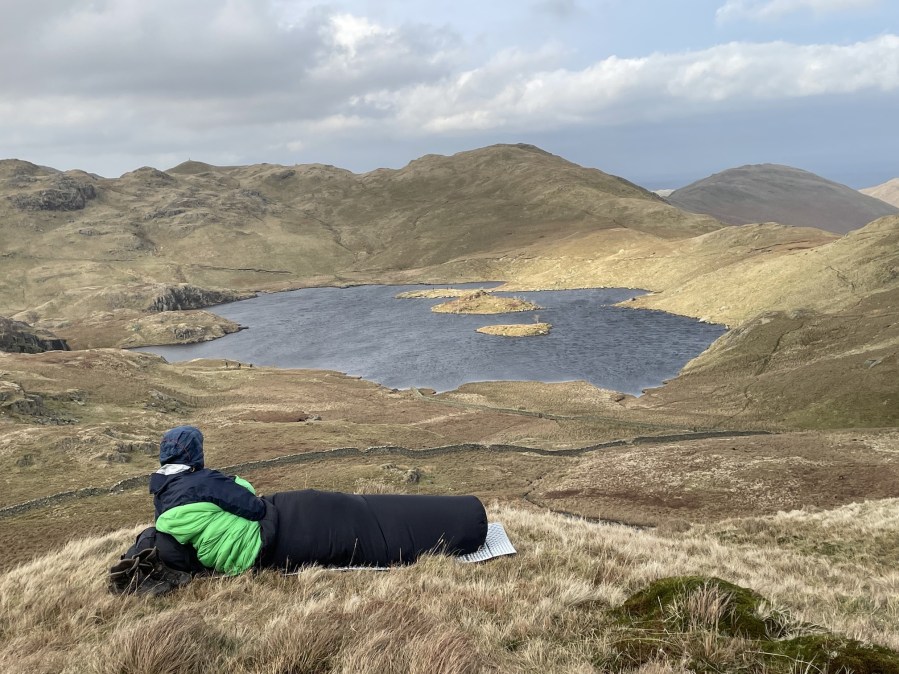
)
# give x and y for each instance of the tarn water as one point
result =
(365, 331)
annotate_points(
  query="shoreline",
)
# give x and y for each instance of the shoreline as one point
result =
(437, 286)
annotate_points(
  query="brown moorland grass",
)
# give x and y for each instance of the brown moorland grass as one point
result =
(102, 413)
(551, 608)
(665, 484)
(717, 478)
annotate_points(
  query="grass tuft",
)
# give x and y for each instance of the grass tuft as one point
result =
(178, 643)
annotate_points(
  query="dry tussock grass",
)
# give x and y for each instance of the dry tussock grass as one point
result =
(863, 533)
(549, 609)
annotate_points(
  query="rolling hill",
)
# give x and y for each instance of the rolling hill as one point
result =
(133, 260)
(266, 226)
(775, 193)
(888, 191)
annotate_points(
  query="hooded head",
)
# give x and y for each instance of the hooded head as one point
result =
(183, 444)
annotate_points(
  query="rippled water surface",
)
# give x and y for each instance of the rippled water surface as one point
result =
(364, 331)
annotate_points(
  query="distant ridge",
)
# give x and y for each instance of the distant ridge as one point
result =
(776, 193)
(191, 167)
(888, 191)
(270, 226)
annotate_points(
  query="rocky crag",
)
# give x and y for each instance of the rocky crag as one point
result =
(19, 337)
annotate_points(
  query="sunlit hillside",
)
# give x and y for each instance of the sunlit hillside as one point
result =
(739, 517)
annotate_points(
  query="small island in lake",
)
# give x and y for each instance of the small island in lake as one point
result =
(436, 293)
(517, 330)
(483, 302)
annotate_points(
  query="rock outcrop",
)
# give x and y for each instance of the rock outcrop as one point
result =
(64, 194)
(18, 337)
(169, 327)
(183, 296)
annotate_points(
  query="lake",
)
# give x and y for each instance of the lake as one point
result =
(364, 331)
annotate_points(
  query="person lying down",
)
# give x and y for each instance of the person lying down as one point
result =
(209, 522)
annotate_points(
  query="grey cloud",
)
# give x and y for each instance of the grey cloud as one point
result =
(207, 49)
(562, 9)
(160, 48)
(159, 79)
(130, 82)
(650, 88)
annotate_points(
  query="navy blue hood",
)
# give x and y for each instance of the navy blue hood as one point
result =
(183, 444)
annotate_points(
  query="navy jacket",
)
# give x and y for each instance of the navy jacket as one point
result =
(204, 485)
(183, 446)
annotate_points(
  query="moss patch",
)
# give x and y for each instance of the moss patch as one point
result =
(712, 625)
(831, 653)
(689, 602)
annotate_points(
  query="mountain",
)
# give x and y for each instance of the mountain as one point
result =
(131, 261)
(270, 227)
(664, 266)
(775, 193)
(815, 334)
(888, 191)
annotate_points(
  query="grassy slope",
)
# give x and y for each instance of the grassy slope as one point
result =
(801, 368)
(828, 278)
(819, 347)
(549, 609)
(888, 191)
(815, 333)
(114, 398)
(815, 345)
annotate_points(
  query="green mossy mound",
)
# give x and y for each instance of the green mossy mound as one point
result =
(681, 603)
(682, 617)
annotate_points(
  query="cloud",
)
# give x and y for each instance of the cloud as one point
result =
(650, 88)
(230, 79)
(211, 49)
(774, 9)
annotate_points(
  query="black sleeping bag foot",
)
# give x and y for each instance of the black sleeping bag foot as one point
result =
(335, 529)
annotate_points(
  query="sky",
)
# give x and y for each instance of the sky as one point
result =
(661, 92)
